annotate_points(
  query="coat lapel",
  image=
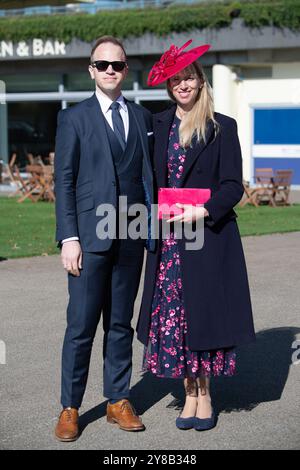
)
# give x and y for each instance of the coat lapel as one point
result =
(195, 150)
(162, 127)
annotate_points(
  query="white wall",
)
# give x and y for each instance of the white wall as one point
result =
(238, 98)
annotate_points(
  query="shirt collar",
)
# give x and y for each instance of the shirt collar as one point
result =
(105, 102)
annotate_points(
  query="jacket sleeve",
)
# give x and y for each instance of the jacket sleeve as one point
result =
(66, 163)
(231, 187)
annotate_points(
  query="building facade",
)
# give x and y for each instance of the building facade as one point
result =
(255, 75)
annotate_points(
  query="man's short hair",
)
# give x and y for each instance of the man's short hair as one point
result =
(105, 39)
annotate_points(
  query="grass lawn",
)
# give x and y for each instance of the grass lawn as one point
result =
(264, 219)
(28, 229)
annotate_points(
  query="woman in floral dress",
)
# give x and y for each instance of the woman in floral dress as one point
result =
(179, 316)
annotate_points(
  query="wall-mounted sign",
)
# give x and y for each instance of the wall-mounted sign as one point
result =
(34, 48)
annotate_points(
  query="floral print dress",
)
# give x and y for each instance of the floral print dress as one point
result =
(167, 354)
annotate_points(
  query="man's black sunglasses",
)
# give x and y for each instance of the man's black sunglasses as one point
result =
(102, 65)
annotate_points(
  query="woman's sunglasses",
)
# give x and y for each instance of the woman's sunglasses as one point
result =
(102, 65)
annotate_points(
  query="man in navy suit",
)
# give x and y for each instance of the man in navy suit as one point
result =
(103, 147)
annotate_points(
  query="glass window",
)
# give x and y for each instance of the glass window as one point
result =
(83, 82)
(22, 83)
(78, 82)
(255, 72)
(31, 129)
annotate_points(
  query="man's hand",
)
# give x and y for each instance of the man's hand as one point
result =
(71, 257)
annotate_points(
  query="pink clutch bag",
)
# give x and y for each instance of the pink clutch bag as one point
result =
(169, 197)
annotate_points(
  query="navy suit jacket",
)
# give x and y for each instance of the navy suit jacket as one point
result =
(84, 170)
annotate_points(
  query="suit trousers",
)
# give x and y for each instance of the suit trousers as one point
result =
(108, 282)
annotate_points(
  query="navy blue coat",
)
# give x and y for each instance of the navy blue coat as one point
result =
(214, 278)
(84, 170)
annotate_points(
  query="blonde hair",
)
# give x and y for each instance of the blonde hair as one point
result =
(195, 121)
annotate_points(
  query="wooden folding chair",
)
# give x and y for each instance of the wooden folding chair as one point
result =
(51, 158)
(249, 195)
(33, 186)
(7, 175)
(39, 161)
(14, 179)
(35, 160)
(12, 161)
(30, 158)
(265, 186)
(282, 187)
(43, 177)
(47, 182)
(25, 186)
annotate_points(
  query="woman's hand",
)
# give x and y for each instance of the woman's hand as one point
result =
(190, 213)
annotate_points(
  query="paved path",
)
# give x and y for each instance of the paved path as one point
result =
(259, 407)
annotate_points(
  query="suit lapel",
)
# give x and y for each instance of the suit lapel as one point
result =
(142, 131)
(98, 124)
(140, 123)
(195, 150)
(162, 127)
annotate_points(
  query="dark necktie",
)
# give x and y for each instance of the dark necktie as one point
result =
(118, 124)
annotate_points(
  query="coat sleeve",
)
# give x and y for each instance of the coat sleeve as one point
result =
(231, 187)
(66, 163)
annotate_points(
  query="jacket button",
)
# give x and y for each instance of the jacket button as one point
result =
(113, 183)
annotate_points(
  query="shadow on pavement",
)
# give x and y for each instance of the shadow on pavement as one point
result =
(262, 371)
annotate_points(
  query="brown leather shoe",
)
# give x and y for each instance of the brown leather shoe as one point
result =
(67, 427)
(123, 414)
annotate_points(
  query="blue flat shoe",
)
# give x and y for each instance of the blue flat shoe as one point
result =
(206, 423)
(185, 423)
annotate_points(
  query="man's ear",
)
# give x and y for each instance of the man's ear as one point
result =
(126, 71)
(92, 73)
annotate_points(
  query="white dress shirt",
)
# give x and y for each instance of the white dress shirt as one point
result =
(105, 104)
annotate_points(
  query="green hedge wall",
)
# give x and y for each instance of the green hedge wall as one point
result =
(160, 21)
